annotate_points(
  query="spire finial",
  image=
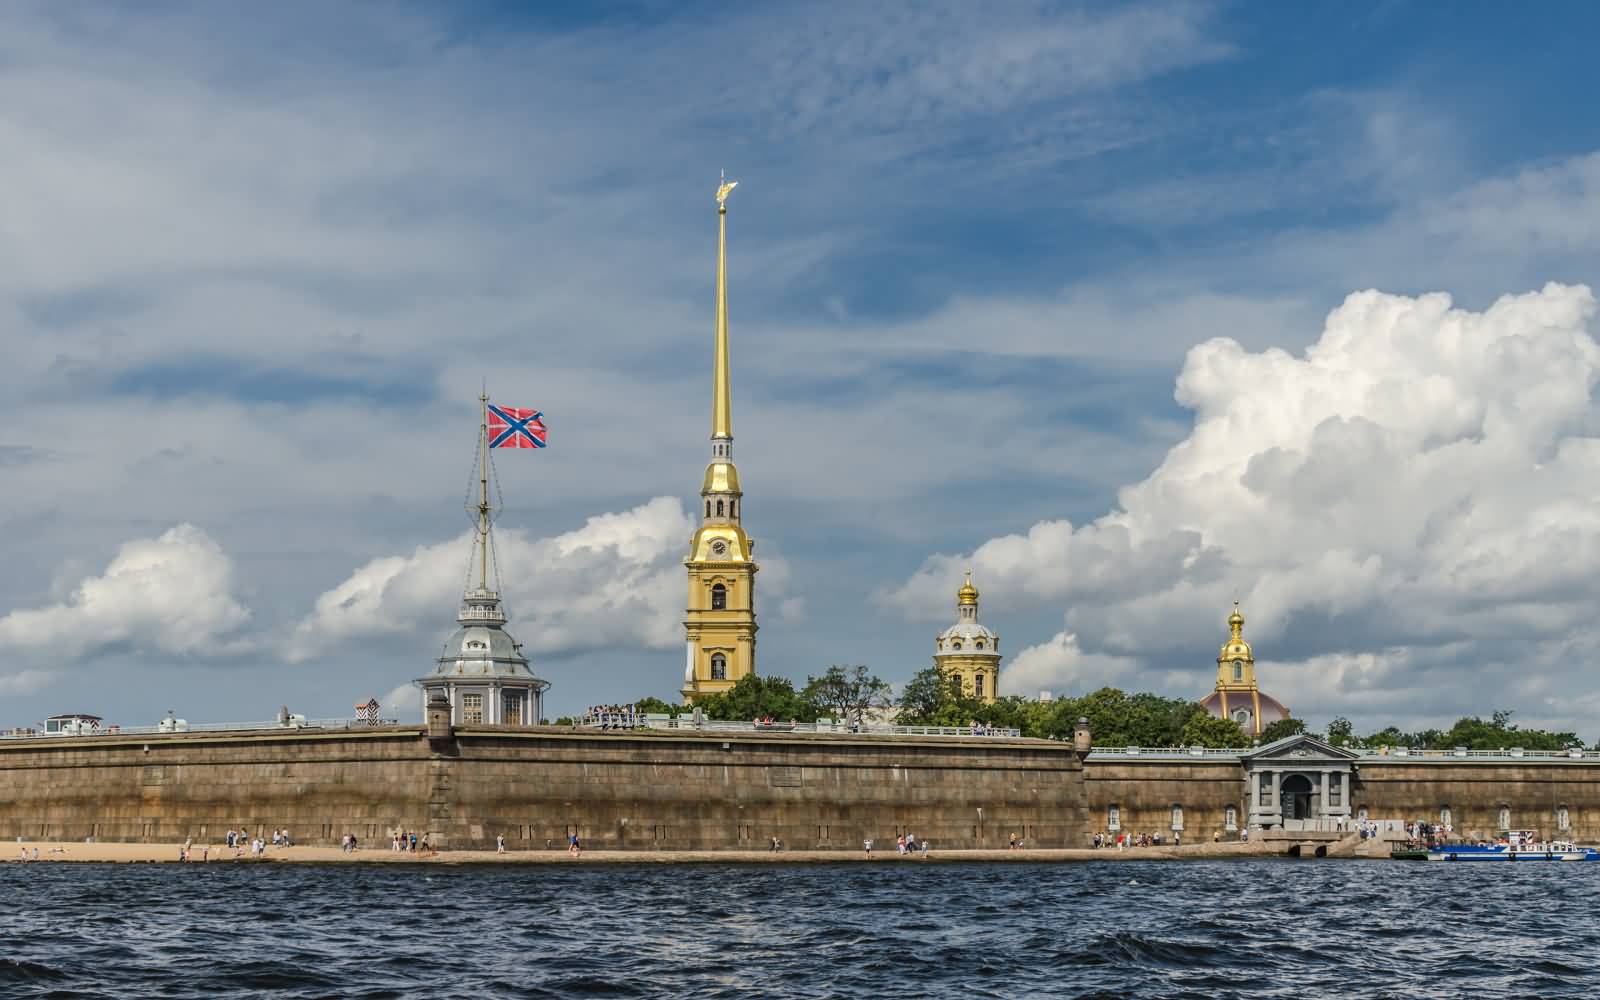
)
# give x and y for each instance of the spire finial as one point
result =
(721, 407)
(483, 488)
(1236, 623)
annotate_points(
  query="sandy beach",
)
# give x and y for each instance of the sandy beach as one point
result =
(220, 854)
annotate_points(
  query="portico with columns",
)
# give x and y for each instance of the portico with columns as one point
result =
(1298, 778)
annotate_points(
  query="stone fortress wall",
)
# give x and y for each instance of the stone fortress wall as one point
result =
(465, 786)
(682, 790)
(1483, 797)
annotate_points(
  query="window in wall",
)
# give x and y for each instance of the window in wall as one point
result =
(733, 508)
(472, 709)
(1266, 788)
(719, 667)
(1113, 818)
(1505, 818)
(708, 508)
(1177, 817)
(719, 508)
(1230, 819)
(511, 708)
(719, 597)
(956, 644)
(1563, 818)
(1335, 788)
(979, 644)
(1242, 717)
(1238, 670)
(977, 685)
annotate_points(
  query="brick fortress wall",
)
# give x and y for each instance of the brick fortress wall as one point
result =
(645, 790)
(1145, 792)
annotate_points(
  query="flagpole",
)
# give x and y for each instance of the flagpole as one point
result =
(483, 491)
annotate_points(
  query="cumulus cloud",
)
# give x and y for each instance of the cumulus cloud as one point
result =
(171, 595)
(1420, 477)
(615, 582)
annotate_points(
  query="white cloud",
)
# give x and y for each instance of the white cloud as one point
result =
(172, 594)
(401, 703)
(1059, 666)
(1421, 477)
(616, 582)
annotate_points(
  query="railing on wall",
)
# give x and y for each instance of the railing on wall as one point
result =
(182, 726)
(626, 720)
(1363, 754)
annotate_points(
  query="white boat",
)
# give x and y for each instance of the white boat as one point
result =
(1519, 845)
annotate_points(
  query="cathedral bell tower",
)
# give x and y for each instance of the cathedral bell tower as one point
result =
(721, 625)
(969, 652)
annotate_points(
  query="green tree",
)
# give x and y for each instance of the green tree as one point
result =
(1206, 730)
(655, 706)
(1283, 727)
(848, 693)
(935, 698)
(1341, 731)
(755, 696)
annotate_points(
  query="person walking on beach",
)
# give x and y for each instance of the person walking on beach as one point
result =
(868, 845)
(500, 844)
(573, 847)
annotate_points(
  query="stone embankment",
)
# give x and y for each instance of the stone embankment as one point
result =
(215, 854)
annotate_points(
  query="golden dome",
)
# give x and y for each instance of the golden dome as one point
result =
(721, 477)
(1236, 647)
(968, 594)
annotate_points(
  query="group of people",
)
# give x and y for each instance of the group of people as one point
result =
(238, 840)
(906, 843)
(349, 843)
(406, 840)
(613, 716)
(1122, 841)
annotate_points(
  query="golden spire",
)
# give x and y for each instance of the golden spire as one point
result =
(483, 490)
(721, 407)
(968, 594)
(1236, 624)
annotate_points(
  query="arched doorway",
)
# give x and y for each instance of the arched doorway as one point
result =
(1296, 797)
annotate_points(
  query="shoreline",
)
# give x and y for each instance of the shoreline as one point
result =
(116, 853)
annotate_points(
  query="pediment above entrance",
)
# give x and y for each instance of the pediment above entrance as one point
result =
(1297, 748)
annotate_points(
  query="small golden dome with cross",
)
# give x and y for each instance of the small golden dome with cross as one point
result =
(968, 594)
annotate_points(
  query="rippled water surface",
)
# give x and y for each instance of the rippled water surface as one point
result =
(1134, 929)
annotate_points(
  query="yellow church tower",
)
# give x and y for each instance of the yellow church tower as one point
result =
(968, 651)
(721, 625)
(1236, 695)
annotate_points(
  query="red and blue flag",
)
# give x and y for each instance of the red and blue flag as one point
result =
(515, 427)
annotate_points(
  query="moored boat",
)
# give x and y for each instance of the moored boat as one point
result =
(1519, 845)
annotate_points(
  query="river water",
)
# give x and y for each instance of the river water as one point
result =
(1265, 928)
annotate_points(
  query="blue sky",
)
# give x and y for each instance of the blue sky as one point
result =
(256, 266)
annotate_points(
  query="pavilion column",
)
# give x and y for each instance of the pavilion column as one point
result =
(1322, 793)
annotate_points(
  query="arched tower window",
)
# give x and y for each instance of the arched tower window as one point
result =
(1238, 670)
(977, 685)
(980, 644)
(708, 508)
(956, 644)
(719, 598)
(733, 508)
(719, 667)
(719, 508)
